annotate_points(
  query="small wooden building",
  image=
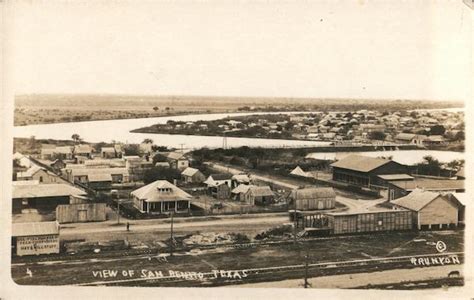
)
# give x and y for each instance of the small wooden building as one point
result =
(401, 188)
(313, 198)
(85, 212)
(259, 195)
(431, 210)
(35, 238)
(99, 181)
(161, 197)
(239, 179)
(192, 175)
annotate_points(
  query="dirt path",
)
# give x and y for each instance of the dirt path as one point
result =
(361, 279)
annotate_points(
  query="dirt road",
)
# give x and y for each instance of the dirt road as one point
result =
(346, 281)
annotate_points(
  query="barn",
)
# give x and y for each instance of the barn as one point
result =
(35, 238)
(364, 171)
(313, 198)
(431, 210)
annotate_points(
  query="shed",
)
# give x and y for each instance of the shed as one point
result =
(84, 212)
(259, 195)
(35, 238)
(313, 198)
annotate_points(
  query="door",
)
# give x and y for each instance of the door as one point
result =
(321, 204)
(82, 215)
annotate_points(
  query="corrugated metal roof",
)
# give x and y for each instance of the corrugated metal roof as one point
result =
(151, 193)
(313, 193)
(360, 163)
(99, 177)
(189, 171)
(45, 190)
(33, 229)
(430, 184)
(416, 200)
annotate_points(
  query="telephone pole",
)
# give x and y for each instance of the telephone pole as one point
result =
(118, 211)
(171, 236)
(306, 284)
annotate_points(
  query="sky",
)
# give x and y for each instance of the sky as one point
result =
(317, 49)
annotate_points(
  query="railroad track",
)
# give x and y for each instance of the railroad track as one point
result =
(205, 277)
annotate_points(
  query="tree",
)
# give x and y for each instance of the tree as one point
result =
(76, 138)
(377, 135)
(131, 149)
(147, 141)
(437, 130)
(155, 108)
(159, 158)
(161, 173)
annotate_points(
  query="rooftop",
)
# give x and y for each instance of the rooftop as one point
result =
(430, 184)
(416, 200)
(35, 190)
(360, 163)
(313, 193)
(32, 229)
(152, 193)
(189, 171)
(396, 177)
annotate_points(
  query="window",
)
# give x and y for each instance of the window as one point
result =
(41, 179)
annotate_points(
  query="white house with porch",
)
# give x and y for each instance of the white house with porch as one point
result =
(161, 197)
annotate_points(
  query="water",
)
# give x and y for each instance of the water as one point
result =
(406, 157)
(119, 130)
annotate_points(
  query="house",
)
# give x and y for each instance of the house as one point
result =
(401, 188)
(108, 152)
(41, 174)
(83, 150)
(99, 181)
(220, 191)
(177, 160)
(136, 167)
(192, 175)
(35, 238)
(410, 138)
(463, 199)
(364, 171)
(313, 198)
(84, 174)
(432, 210)
(239, 179)
(63, 152)
(239, 192)
(161, 197)
(259, 195)
(434, 140)
(46, 197)
(217, 179)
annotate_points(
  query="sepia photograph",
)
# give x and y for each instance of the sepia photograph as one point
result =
(236, 147)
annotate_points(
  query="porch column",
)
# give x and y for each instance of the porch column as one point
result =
(161, 210)
(176, 206)
(148, 208)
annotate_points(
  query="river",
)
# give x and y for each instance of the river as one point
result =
(119, 130)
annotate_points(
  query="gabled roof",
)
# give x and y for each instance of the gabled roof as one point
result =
(107, 149)
(84, 148)
(462, 198)
(189, 171)
(299, 172)
(416, 200)
(32, 229)
(151, 192)
(261, 191)
(360, 163)
(241, 178)
(31, 171)
(313, 193)
(241, 188)
(45, 190)
(175, 155)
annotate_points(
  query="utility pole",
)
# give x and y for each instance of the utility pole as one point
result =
(295, 220)
(118, 211)
(182, 149)
(171, 236)
(306, 285)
